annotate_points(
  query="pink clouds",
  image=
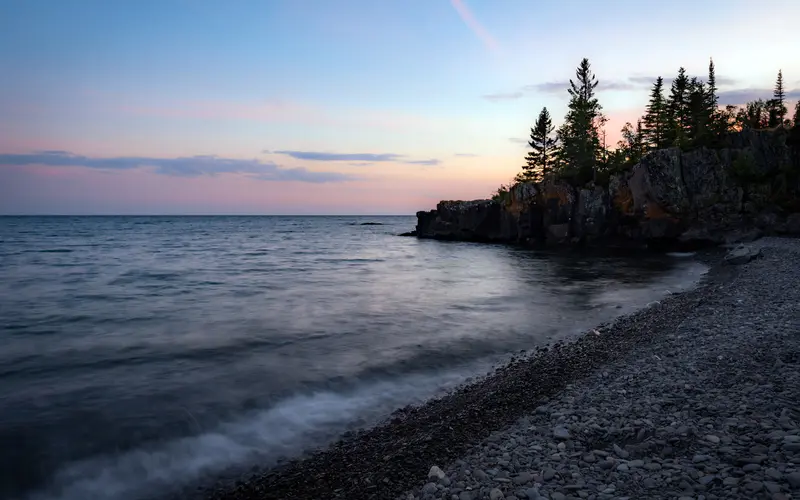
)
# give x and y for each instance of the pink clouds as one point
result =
(84, 190)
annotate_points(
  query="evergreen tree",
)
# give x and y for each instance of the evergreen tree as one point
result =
(797, 115)
(631, 146)
(540, 159)
(774, 111)
(579, 136)
(717, 123)
(656, 118)
(753, 115)
(678, 106)
(779, 96)
(712, 101)
(697, 130)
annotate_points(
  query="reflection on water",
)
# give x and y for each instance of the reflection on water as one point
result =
(138, 350)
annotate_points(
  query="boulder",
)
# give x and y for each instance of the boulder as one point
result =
(741, 255)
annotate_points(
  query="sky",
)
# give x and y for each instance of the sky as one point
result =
(333, 106)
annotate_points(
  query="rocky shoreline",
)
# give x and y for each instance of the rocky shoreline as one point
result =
(671, 199)
(695, 395)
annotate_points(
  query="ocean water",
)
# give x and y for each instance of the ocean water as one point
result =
(139, 354)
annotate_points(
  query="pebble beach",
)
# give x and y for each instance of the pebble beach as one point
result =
(694, 397)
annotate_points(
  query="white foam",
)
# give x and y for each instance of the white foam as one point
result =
(287, 429)
(682, 255)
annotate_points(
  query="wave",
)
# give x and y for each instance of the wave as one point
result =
(261, 438)
(682, 255)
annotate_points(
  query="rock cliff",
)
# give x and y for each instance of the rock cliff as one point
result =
(748, 187)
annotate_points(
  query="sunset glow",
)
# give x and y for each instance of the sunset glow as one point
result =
(316, 107)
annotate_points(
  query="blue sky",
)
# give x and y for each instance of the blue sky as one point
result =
(387, 106)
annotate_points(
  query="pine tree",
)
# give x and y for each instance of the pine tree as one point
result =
(717, 122)
(678, 106)
(712, 101)
(797, 115)
(579, 136)
(780, 96)
(697, 130)
(656, 118)
(753, 115)
(540, 159)
(631, 147)
(774, 111)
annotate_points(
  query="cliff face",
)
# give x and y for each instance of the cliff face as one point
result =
(704, 196)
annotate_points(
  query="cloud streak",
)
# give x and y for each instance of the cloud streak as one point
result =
(632, 83)
(742, 96)
(503, 96)
(472, 23)
(190, 166)
(355, 157)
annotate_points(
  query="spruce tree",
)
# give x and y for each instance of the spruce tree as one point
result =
(656, 118)
(631, 147)
(712, 101)
(753, 115)
(579, 136)
(698, 126)
(780, 96)
(797, 115)
(717, 122)
(540, 159)
(678, 106)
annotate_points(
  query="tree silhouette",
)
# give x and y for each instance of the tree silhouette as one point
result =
(579, 136)
(656, 118)
(540, 159)
(797, 115)
(776, 106)
(678, 106)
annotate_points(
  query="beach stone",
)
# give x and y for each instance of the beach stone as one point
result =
(436, 473)
(742, 255)
(533, 494)
(496, 494)
(561, 432)
(793, 479)
(523, 478)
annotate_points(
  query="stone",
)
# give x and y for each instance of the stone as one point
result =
(496, 494)
(436, 473)
(754, 486)
(533, 494)
(794, 479)
(561, 432)
(429, 488)
(523, 478)
(741, 255)
(558, 496)
(712, 439)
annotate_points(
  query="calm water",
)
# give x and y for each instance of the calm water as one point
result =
(137, 352)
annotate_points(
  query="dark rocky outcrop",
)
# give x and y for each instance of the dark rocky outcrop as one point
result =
(671, 197)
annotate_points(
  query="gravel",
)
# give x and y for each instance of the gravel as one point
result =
(709, 409)
(694, 397)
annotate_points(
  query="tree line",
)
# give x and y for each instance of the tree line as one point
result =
(688, 117)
